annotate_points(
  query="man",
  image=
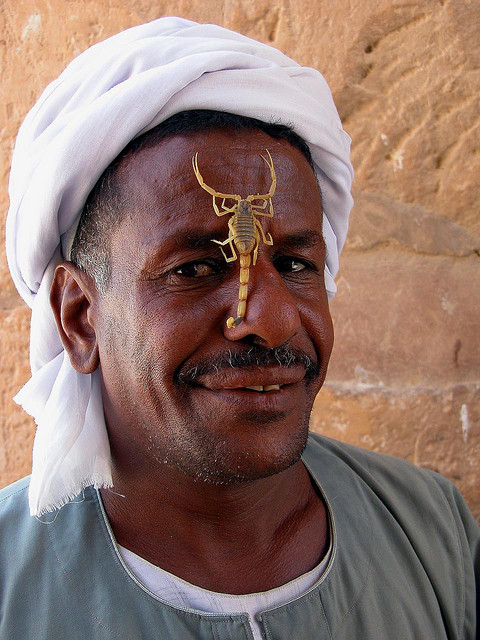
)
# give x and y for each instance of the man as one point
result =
(135, 181)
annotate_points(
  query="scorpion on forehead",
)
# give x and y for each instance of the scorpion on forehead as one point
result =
(244, 229)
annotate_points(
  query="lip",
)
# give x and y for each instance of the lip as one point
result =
(237, 379)
(283, 401)
(231, 391)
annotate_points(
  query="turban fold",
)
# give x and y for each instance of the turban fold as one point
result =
(112, 93)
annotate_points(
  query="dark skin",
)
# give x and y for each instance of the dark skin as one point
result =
(214, 489)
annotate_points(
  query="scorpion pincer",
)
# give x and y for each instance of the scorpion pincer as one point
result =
(244, 229)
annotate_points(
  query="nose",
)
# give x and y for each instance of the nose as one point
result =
(272, 316)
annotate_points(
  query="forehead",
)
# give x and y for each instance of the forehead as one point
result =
(163, 196)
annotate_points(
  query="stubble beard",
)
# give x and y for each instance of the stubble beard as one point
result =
(213, 455)
(211, 458)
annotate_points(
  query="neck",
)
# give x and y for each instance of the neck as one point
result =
(201, 531)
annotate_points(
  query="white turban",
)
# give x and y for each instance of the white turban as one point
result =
(110, 94)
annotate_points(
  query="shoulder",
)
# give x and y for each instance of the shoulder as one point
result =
(378, 470)
(17, 533)
(424, 505)
(14, 503)
(17, 527)
(19, 487)
(420, 499)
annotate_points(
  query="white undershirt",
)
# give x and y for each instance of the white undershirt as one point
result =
(180, 593)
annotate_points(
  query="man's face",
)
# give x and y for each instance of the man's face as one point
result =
(175, 377)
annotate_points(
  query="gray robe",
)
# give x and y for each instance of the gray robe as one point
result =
(402, 566)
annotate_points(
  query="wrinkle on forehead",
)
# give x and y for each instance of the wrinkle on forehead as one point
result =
(229, 162)
(160, 186)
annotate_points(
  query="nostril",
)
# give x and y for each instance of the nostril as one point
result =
(269, 327)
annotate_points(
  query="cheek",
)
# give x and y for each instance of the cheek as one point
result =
(187, 318)
(329, 335)
(319, 325)
(166, 332)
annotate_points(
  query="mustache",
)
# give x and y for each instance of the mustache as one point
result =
(252, 358)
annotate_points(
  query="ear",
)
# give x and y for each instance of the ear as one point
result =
(72, 297)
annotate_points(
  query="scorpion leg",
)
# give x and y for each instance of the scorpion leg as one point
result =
(258, 209)
(260, 206)
(265, 241)
(257, 243)
(222, 213)
(222, 244)
(227, 209)
(229, 240)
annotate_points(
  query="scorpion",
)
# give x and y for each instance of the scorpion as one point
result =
(244, 230)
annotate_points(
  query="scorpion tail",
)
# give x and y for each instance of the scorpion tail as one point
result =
(242, 292)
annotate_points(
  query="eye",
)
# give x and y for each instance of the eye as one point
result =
(198, 269)
(292, 265)
(296, 265)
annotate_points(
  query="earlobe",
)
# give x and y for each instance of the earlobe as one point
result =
(72, 296)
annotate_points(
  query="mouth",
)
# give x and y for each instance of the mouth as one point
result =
(256, 369)
(252, 398)
(257, 388)
(260, 381)
(268, 387)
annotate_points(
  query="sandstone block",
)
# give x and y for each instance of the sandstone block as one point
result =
(406, 319)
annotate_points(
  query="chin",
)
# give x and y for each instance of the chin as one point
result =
(228, 462)
(245, 473)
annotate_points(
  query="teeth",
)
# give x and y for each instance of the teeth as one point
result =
(267, 387)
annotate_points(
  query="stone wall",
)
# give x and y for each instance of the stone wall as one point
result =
(405, 376)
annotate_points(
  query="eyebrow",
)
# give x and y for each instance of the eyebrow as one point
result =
(195, 239)
(302, 240)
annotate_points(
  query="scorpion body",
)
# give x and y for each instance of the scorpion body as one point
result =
(245, 238)
(245, 231)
